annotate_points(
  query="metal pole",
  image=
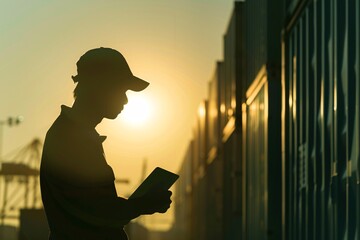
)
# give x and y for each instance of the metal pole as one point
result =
(2, 212)
(26, 197)
(4, 203)
(2, 123)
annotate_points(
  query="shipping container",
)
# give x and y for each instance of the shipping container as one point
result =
(261, 121)
(261, 158)
(183, 196)
(33, 224)
(224, 186)
(214, 166)
(214, 200)
(287, 150)
(232, 90)
(231, 96)
(320, 120)
(256, 160)
(214, 115)
(199, 200)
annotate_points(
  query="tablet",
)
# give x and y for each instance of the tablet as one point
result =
(159, 179)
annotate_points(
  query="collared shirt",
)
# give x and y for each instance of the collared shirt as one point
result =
(77, 184)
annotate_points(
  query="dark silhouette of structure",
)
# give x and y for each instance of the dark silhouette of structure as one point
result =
(77, 184)
(20, 192)
(275, 150)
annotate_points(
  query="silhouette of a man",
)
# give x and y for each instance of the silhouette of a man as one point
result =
(77, 185)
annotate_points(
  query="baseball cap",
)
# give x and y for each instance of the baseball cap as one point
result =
(108, 64)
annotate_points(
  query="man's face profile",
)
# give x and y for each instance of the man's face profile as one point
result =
(114, 101)
(109, 97)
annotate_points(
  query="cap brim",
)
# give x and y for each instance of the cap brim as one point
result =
(137, 84)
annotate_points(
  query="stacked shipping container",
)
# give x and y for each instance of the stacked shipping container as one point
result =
(275, 150)
(321, 120)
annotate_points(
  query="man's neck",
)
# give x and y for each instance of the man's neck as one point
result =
(86, 113)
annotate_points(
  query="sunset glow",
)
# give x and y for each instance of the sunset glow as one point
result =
(41, 42)
(137, 111)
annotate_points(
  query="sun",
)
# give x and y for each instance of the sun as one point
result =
(137, 110)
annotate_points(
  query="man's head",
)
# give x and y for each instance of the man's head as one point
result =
(103, 78)
(106, 66)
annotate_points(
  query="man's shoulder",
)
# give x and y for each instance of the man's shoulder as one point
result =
(64, 142)
(61, 127)
(65, 133)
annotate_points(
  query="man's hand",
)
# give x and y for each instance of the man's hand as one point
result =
(152, 202)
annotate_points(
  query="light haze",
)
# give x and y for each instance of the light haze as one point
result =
(172, 44)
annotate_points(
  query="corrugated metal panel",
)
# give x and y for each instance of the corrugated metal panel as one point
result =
(183, 195)
(256, 165)
(234, 67)
(195, 185)
(223, 119)
(213, 117)
(355, 153)
(292, 5)
(228, 162)
(203, 139)
(262, 120)
(321, 86)
(262, 165)
(264, 21)
(214, 204)
(231, 96)
(256, 37)
(199, 201)
(214, 168)
(200, 142)
(232, 188)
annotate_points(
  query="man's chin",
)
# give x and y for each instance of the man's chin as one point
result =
(112, 116)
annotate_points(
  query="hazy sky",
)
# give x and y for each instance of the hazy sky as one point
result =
(172, 44)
